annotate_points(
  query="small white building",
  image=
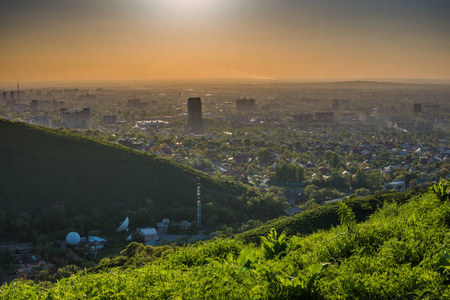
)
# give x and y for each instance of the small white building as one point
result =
(148, 233)
(185, 225)
(398, 186)
(164, 225)
(151, 124)
(96, 242)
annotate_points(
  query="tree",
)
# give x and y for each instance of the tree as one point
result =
(263, 154)
(362, 192)
(310, 190)
(336, 180)
(318, 180)
(212, 222)
(182, 152)
(287, 172)
(246, 142)
(360, 179)
(333, 159)
(400, 177)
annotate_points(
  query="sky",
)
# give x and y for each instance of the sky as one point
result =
(67, 40)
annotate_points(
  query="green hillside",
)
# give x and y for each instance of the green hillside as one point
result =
(400, 252)
(326, 216)
(57, 176)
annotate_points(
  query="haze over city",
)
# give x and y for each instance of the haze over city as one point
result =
(245, 39)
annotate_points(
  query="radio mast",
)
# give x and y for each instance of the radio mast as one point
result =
(199, 204)
(18, 94)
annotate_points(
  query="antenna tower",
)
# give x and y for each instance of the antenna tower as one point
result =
(199, 204)
(18, 94)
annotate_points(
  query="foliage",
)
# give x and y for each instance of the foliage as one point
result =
(362, 192)
(400, 252)
(361, 179)
(284, 286)
(442, 262)
(286, 172)
(325, 216)
(347, 217)
(273, 245)
(322, 194)
(441, 190)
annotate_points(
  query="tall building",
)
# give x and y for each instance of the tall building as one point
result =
(109, 119)
(336, 104)
(417, 109)
(195, 119)
(245, 104)
(304, 118)
(34, 105)
(324, 117)
(76, 119)
(136, 103)
(430, 108)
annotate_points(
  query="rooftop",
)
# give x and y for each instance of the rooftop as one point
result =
(148, 231)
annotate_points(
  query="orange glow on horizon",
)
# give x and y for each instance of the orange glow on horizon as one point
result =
(216, 39)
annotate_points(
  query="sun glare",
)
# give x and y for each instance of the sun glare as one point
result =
(191, 6)
(190, 2)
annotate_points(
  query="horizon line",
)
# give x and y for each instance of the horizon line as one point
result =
(444, 81)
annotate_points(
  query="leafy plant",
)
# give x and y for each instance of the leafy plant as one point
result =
(247, 258)
(441, 190)
(285, 286)
(442, 262)
(346, 216)
(274, 245)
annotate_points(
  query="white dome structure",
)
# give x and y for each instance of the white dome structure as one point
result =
(73, 239)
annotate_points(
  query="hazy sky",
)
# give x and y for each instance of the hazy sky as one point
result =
(160, 39)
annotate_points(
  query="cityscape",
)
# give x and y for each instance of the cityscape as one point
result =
(208, 149)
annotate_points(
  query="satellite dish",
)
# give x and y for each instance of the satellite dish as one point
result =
(123, 226)
(73, 239)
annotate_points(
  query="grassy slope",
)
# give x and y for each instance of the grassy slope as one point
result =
(324, 217)
(40, 167)
(396, 254)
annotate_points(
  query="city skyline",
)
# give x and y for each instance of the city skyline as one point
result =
(247, 39)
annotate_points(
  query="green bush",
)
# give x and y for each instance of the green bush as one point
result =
(441, 190)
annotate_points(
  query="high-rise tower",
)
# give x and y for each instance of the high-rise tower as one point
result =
(417, 109)
(195, 117)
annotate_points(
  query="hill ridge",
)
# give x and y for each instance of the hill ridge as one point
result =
(43, 168)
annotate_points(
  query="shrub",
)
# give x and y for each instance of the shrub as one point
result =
(274, 245)
(441, 190)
